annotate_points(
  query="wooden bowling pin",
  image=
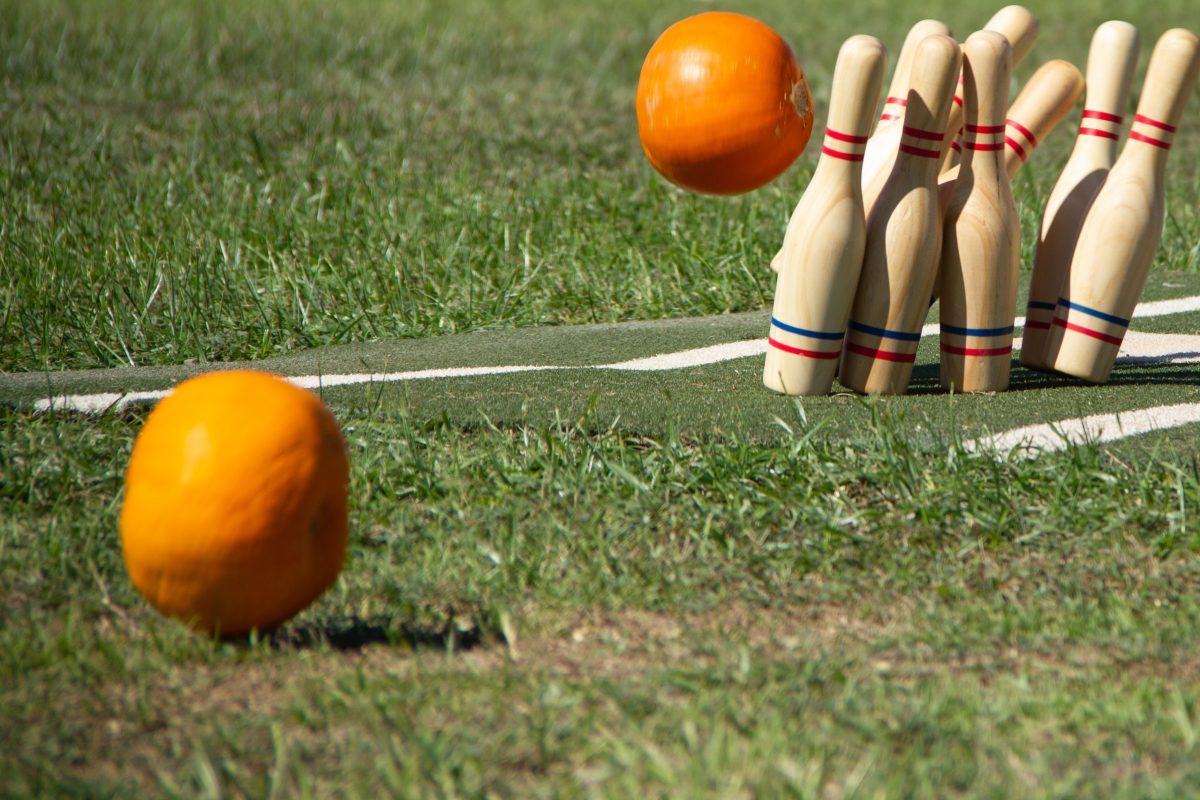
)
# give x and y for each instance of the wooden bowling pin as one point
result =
(823, 249)
(884, 144)
(1020, 28)
(904, 235)
(1047, 98)
(1121, 232)
(981, 249)
(1111, 61)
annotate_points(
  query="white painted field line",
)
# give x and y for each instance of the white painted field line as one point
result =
(1154, 348)
(697, 357)
(350, 379)
(1157, 348)
(112, 401)
(683, 359)
(1033, 440)
(714, 354)
(98, 403)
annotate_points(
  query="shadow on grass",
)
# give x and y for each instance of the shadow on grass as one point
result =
(356, 634)
(926, 379)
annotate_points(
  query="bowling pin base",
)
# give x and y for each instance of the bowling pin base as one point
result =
(1033, 350)
(798, 375)
(870, 376)
(975, 375)
(1085, 357)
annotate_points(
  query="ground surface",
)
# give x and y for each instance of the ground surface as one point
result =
(635, 575)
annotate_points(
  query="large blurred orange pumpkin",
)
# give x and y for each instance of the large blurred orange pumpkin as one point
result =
(722, 105)
(235, 502)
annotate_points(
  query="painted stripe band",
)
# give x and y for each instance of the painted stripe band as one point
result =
(917, 133)
(882, 355)
(917, 151)
(845, 137)
(884, 332)
(958, 101)
(976, 351)
(1020, 151)
(1098, 132)
(1041, 304)
(1041, 326)
(1005, 331)
(828, 336)
(796, 351)
(1104, 337)
(1104, 115)
(986, 147)
(1062, 301)
(829, 151)
(956, 147)
(1141, 137)
(985, 128)
(1028, 134)
(892, 101)
(1153, 123)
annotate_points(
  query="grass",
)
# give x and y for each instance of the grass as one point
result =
(544, 612)
(220, 180)
(535, 610)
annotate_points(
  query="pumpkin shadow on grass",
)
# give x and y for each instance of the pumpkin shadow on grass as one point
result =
(354, 634)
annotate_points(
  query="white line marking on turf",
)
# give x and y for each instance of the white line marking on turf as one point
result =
(1161, 308)
(105, 401)
(1138, 347)
(1157, 348)
(1033, 440)
(1153, 348)
(327, 381)
(98, 403)
(697, 357)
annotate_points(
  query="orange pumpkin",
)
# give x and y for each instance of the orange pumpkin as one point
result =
(235, 502)
(722, 105)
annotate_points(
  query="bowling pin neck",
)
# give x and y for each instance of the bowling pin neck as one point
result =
(841, 158)
(935, 71)
(856, 81)
(987, 71)
(893, 110)
(1149, 140)
(896, 99)
(1099, 135)
(1174, 65)
(1019, 143)
(1169, 79)
(987, 68)
(920, 155)
(1111, 61)
(984, 150)
(1048, 96)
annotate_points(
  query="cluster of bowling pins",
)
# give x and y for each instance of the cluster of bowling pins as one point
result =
(922, 208)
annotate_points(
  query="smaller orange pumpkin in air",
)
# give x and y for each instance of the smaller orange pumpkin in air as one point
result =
(722, 105)
(235, 502)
